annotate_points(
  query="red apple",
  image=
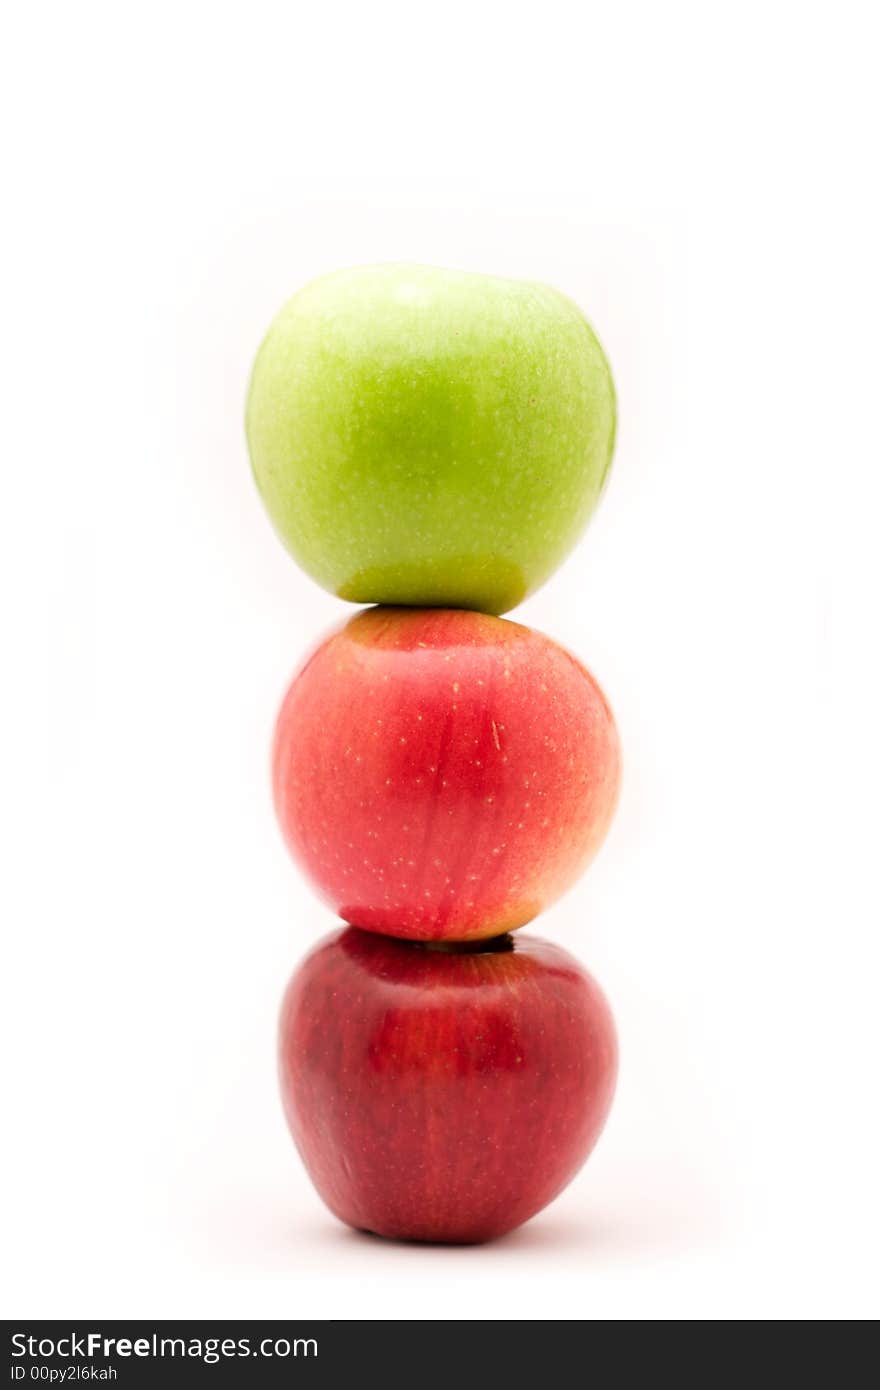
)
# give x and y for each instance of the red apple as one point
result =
(443, 1093)
(443, 775)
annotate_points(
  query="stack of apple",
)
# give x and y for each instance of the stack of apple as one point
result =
(433, 443)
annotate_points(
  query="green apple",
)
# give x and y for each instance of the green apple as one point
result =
(430, 437)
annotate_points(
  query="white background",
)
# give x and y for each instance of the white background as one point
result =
(703, 180)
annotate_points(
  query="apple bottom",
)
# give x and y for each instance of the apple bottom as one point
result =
(443, 1094)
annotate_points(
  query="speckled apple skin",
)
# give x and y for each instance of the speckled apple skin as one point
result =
(443, 1096)
(441, 774)
(431, 437)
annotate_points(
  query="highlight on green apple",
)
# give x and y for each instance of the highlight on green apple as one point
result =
(431, 437)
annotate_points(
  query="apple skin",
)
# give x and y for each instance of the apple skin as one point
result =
(443, 1094)
(430, 437)
(441, 774)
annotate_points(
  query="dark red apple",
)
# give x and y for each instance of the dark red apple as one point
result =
(443, 1093)
(442, 774)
